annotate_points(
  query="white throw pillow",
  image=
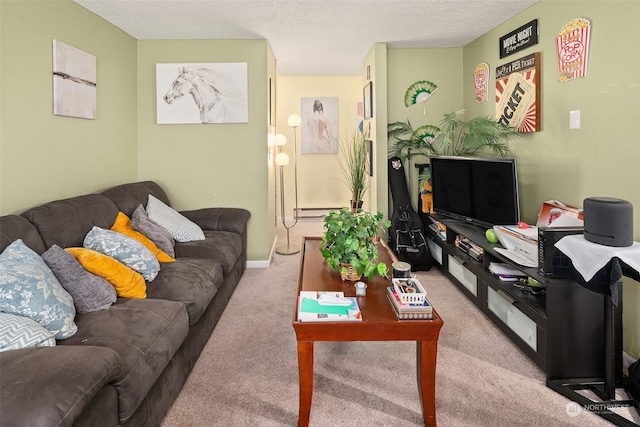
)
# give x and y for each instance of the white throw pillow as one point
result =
(22, 332)
(181, 228)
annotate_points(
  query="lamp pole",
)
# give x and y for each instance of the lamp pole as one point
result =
(289, 249)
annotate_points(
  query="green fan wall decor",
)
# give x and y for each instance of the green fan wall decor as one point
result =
(426, 134)
(419, 92)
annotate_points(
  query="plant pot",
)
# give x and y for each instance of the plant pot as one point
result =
(355, 207)
(347, 273)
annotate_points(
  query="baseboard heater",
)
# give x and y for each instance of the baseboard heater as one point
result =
(310, 213)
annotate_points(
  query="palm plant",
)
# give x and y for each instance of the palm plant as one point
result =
(456, 138)
(353, 161)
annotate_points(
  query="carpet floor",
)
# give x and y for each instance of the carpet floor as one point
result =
(247, 373)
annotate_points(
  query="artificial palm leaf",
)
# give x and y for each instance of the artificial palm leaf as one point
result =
(419, 141)
(420, 91)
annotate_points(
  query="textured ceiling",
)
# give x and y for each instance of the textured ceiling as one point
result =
(313, 37)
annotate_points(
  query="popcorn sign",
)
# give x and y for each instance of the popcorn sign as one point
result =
(572, 44)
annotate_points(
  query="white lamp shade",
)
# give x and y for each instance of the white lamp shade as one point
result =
(279, 140)
(294, 120)
(282, 159)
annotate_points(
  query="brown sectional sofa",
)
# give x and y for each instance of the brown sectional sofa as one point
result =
(125, 365)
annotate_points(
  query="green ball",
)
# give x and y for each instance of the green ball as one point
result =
(491, 235)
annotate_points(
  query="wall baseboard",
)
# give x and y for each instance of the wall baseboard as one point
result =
(259, 263)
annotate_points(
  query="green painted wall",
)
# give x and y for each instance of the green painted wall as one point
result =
(45, 157)
(601, 158)
(407, 66)
(203, 165)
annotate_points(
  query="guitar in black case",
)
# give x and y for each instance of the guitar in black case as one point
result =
(406, 233)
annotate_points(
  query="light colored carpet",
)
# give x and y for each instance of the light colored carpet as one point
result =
(247, 374)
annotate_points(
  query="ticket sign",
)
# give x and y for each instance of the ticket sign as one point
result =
(519, 39)
(518, 93)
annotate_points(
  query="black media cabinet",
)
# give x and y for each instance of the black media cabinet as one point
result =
(562, 331)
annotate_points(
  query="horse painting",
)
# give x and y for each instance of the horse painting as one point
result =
(215, 93)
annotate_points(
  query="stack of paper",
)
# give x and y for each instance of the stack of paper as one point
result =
(505, 273)
(327, 307)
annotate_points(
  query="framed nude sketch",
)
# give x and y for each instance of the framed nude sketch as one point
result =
(319, 127)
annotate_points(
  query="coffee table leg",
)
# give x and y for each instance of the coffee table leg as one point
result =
(305, 374)
(426, 373)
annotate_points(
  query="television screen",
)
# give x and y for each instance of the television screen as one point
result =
(478, 190)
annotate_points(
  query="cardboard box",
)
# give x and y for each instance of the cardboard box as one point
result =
(556, 214)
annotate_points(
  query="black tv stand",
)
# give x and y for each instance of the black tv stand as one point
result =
(556, 329)
(561, 330)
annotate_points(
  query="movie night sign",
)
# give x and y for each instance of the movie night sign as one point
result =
(519, 39)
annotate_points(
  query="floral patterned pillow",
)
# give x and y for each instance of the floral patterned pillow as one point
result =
(29, 288)
(125, 249)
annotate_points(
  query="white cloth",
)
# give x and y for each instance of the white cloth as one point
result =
(588, 257)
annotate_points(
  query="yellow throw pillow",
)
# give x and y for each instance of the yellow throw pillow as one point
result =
(122, 225)
(128, 283)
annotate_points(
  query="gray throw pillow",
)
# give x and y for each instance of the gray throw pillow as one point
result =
(141, 223)
(89, 292)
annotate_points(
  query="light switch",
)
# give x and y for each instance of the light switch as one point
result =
(574, 119)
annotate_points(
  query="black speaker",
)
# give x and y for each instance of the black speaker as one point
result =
(608, 221)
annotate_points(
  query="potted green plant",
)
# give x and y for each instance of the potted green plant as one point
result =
(456, 137)
(353, 161)
(349, 243)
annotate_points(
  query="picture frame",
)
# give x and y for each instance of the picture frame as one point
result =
(367, 96)
(370, 148)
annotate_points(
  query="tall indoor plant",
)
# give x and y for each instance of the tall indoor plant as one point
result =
(353, 161)
(456, 137)
(349, 243)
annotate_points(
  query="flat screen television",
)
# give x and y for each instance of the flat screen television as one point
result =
(480, 191)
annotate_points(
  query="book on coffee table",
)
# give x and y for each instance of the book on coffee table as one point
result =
(327, 307)
(417, 311)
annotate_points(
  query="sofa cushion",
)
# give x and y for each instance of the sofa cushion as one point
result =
(128, 283)
(29, 288)
(21, 332)
(125, 249)
(50, 386)
(222, 246)
(14, 227)
(181, 228)
(145, 334)
(160, 236)
(128, 196)
(122, 225)
(90, 292)
(193, 282)
(66, 222)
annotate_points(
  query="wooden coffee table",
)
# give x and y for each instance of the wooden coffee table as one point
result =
(379, 324)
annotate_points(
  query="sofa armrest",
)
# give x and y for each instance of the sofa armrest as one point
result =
(53, 383)
(220, 219)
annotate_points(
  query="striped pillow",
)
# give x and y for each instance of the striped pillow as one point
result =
(182, 229)
(21, 332)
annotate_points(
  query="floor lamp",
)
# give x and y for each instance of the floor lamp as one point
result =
(282, 160)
